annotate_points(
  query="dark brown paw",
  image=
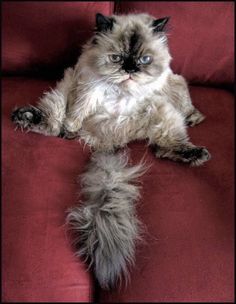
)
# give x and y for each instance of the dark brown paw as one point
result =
(27, 116)
(195, 156)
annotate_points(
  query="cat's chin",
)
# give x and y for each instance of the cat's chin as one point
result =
(128, 83)
(127, 80)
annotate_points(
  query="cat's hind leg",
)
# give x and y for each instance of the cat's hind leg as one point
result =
(187, 153)
(179, 96)
(168, 138)
(48, 115)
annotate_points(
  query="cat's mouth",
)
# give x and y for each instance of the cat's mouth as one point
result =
(127, 78)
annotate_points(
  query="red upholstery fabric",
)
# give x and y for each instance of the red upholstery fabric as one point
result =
(201, 37)
(189, 253)
(46, 35)
(39, 185)
(189, 217)
(188, 212)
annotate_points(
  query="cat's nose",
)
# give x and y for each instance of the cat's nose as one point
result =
(130, 71)
(130, 66)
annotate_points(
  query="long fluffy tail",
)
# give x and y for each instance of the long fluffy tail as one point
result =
(106, 224)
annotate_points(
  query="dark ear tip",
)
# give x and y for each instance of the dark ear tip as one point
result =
(166, 19)
(103, 23)
(159, 24)
(99, 15)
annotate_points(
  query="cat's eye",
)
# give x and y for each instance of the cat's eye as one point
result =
(115, 58)
(145, 59)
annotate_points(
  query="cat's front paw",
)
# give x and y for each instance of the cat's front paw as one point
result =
(195, 156)
(67, 135)
(26, 116)
(194, 118)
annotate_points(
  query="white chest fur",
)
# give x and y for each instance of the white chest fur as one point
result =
(120, 104)
(132, 98)
(123, 100)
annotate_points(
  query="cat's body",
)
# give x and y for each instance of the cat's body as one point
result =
(122, 89)
(117, 115)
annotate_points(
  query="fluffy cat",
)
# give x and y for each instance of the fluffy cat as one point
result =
(121, 89)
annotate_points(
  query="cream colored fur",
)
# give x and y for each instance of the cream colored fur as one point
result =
(97, 102)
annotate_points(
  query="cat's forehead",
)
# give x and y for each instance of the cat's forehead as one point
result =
(130, 41)
(132, 33)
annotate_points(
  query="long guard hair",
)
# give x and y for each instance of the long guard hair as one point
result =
(106, 224)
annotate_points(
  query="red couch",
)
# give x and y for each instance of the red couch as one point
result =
(188, 255)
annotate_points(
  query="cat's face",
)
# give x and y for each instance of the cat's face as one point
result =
(128, 49)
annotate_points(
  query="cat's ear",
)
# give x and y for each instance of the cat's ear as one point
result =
(159, 24)
(103, 23)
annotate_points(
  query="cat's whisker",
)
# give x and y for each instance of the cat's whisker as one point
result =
(27, 130)
(87, 83)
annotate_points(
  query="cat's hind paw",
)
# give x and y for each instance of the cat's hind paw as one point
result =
(192, 155)
(195, 156)
(194, 118)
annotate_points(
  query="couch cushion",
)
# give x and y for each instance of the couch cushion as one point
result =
(201, 37)
(39, 184)
(189, 217)
(188, 212)
(44, 37)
